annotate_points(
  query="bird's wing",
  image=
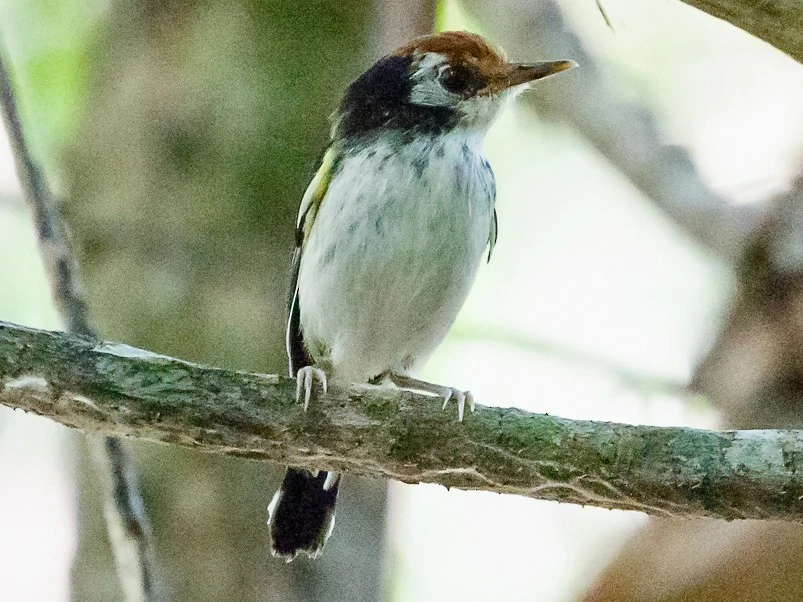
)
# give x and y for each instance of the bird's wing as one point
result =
(297, 353)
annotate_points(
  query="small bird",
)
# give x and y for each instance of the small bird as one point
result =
(390, 235)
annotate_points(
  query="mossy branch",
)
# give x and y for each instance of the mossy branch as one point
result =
(119, 390)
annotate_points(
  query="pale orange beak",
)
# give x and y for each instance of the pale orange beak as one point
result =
(519, 73)
(516, 74)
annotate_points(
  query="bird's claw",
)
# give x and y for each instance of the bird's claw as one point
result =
(462, 398)
(304, 379)
(446, 393)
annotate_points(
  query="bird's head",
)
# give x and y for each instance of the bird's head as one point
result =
(434, 85)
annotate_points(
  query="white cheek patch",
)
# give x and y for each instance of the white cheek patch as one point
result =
(479, 112)
(427, 90)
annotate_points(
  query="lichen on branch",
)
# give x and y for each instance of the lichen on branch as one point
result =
(119, 390)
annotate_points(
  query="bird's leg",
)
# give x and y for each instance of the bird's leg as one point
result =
(304, 379)
(462, 397)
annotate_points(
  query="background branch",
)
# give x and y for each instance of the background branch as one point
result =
(399, 22)
(754, 372)
(623, 132)
(120, 390)
(129, 531)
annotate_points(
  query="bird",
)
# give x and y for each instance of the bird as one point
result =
(390, 234)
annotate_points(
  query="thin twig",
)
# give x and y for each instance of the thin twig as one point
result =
(127, 524)
(388, 433)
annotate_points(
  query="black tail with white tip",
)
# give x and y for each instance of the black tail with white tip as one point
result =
(301, 515)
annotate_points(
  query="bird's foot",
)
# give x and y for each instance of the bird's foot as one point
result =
(304, 380)
(446, 393)
(462, 397)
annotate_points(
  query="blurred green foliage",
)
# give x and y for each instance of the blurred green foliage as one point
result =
(50, 44)
(203, 125)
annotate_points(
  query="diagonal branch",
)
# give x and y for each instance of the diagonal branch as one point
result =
(123, 391)
(127, 523)
(59, 261)
(777, 22)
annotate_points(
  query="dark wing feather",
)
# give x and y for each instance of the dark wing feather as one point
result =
(493, 235)
(297, 353)
(490, 185)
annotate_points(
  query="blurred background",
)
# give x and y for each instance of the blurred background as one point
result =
(181, 135)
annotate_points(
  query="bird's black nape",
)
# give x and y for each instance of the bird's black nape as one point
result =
(380, 98)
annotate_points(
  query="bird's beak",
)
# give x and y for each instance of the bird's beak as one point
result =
(516, 74)
(519, 73)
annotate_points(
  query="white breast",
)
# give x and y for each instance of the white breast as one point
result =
(393, 252)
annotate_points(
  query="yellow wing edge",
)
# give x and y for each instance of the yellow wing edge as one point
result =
(314, 196)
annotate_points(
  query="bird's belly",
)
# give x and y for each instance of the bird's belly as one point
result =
(380, 284)
(383, 303)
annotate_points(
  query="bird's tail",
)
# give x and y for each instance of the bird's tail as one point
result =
(301, 515)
